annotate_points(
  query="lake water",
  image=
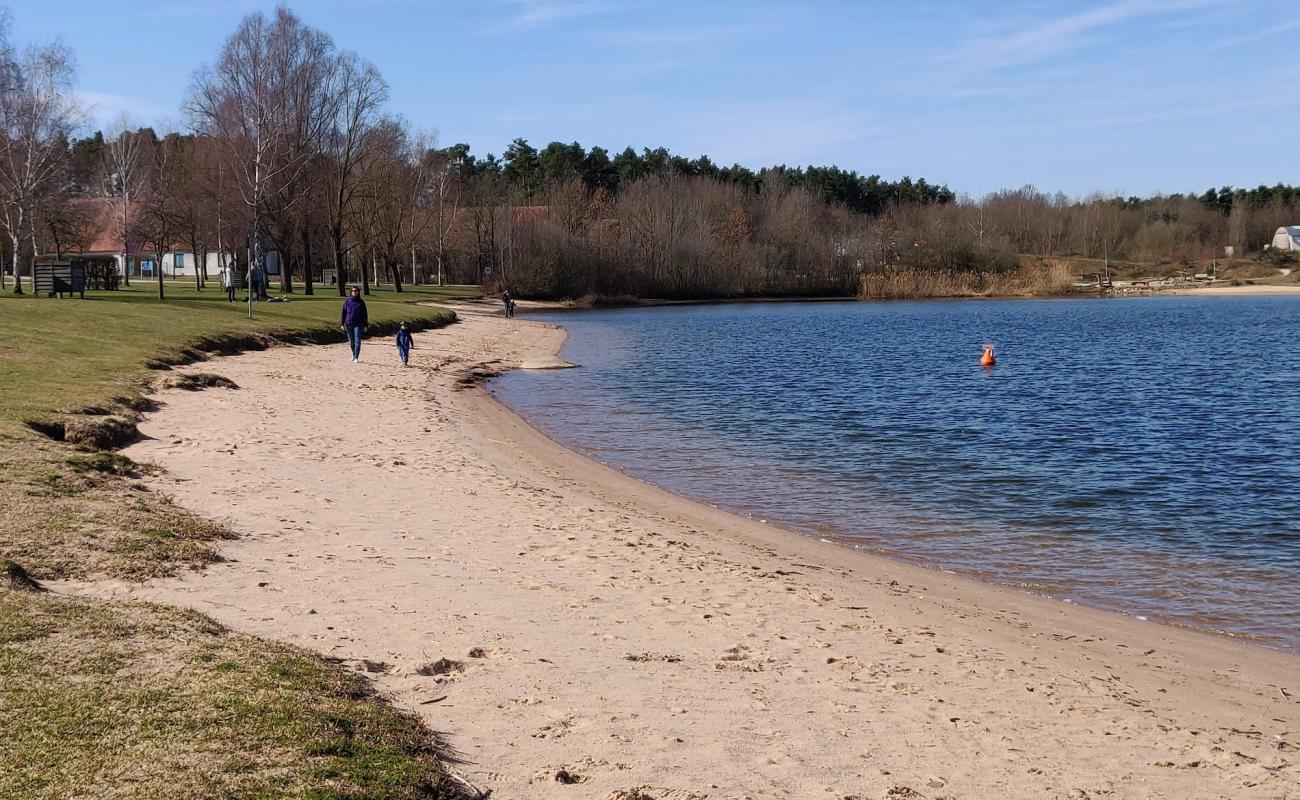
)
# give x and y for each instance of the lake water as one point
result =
(1139, 455)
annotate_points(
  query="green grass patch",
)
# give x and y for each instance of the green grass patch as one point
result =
(77, 371)
(109, 699)
(144, 701)
(61, 355)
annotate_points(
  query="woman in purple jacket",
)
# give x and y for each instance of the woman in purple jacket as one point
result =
(354, 321)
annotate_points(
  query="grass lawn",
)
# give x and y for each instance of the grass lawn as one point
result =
(116, 699)
(85, 351)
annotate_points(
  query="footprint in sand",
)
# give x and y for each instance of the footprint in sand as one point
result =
(565, 775)
(654, 793)
(737, 659)
(557, 729)
(652, 657)
(444, 668)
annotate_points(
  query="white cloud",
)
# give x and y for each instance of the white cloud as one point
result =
(1059, 36)
(104, 108)
(1236, 42)
(685, 36)
(540, 13)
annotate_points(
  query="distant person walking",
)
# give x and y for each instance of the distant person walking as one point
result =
(228, 282)
(404, 344)
(255, 277)
(509, 301)
(354, 320)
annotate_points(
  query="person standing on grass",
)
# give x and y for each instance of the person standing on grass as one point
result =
(353, 320)
(228, 282)
(404, 344)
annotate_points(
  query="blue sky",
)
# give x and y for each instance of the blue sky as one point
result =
(1130, 96)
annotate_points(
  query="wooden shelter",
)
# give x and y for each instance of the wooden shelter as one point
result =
(60, 277)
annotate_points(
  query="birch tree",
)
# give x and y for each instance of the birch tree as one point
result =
(123, 178)
(262, 103)
(37, 117)
(444, 191)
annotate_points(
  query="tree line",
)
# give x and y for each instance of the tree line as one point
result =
(287, 145)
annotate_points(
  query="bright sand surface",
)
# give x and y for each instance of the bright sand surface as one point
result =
(635, 639)
(1267, 288)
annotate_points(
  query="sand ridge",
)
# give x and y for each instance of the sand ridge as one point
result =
(579, 634)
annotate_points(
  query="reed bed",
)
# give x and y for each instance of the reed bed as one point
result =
(1046, 279)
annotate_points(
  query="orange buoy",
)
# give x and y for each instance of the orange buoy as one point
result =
(987, 360)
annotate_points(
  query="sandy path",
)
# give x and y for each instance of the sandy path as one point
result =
(635, 639)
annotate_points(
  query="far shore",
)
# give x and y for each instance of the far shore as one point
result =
(1244, 290)
(565, 623)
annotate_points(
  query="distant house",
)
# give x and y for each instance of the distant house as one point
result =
(102, 236)
(1287, 238)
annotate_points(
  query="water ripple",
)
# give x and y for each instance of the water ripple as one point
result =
(1137, 454)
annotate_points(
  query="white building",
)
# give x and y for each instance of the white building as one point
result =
(101, 236)
(1287, 238)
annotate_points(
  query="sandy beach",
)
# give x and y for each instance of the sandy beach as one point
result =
(1242, 291)
(577, 633)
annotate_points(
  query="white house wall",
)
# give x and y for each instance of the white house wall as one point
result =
(169, 259)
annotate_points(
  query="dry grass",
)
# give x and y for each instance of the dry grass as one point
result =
(78, 515)
(116, 700)
(1047, 278)
(121, 700)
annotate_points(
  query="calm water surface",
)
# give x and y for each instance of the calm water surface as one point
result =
(1139, 455)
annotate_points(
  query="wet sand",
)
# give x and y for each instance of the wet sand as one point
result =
(560, 620)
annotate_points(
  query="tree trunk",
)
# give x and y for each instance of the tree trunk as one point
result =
(365, 276)
(158, 270)
(17, 259)
(395, 268)
(286, 267)
(126, 224)
(307, 277)
(340, 270)
(340, 260)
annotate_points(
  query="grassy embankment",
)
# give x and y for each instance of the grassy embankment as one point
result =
(117, 699)
(1236, 271)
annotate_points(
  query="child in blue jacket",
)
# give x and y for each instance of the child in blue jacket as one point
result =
(404, 343)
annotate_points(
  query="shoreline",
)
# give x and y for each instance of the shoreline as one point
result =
(768, 624)
(507, 422)
(1256, 290)
(1268, 640)
(503, 421)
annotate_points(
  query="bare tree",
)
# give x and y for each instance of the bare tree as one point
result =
(123, 177)
(358, 92)
(263, 103)
(444, 191)
(195, 199)
(64, 224)
(396, 193)
(37, 116)
(157, 225)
